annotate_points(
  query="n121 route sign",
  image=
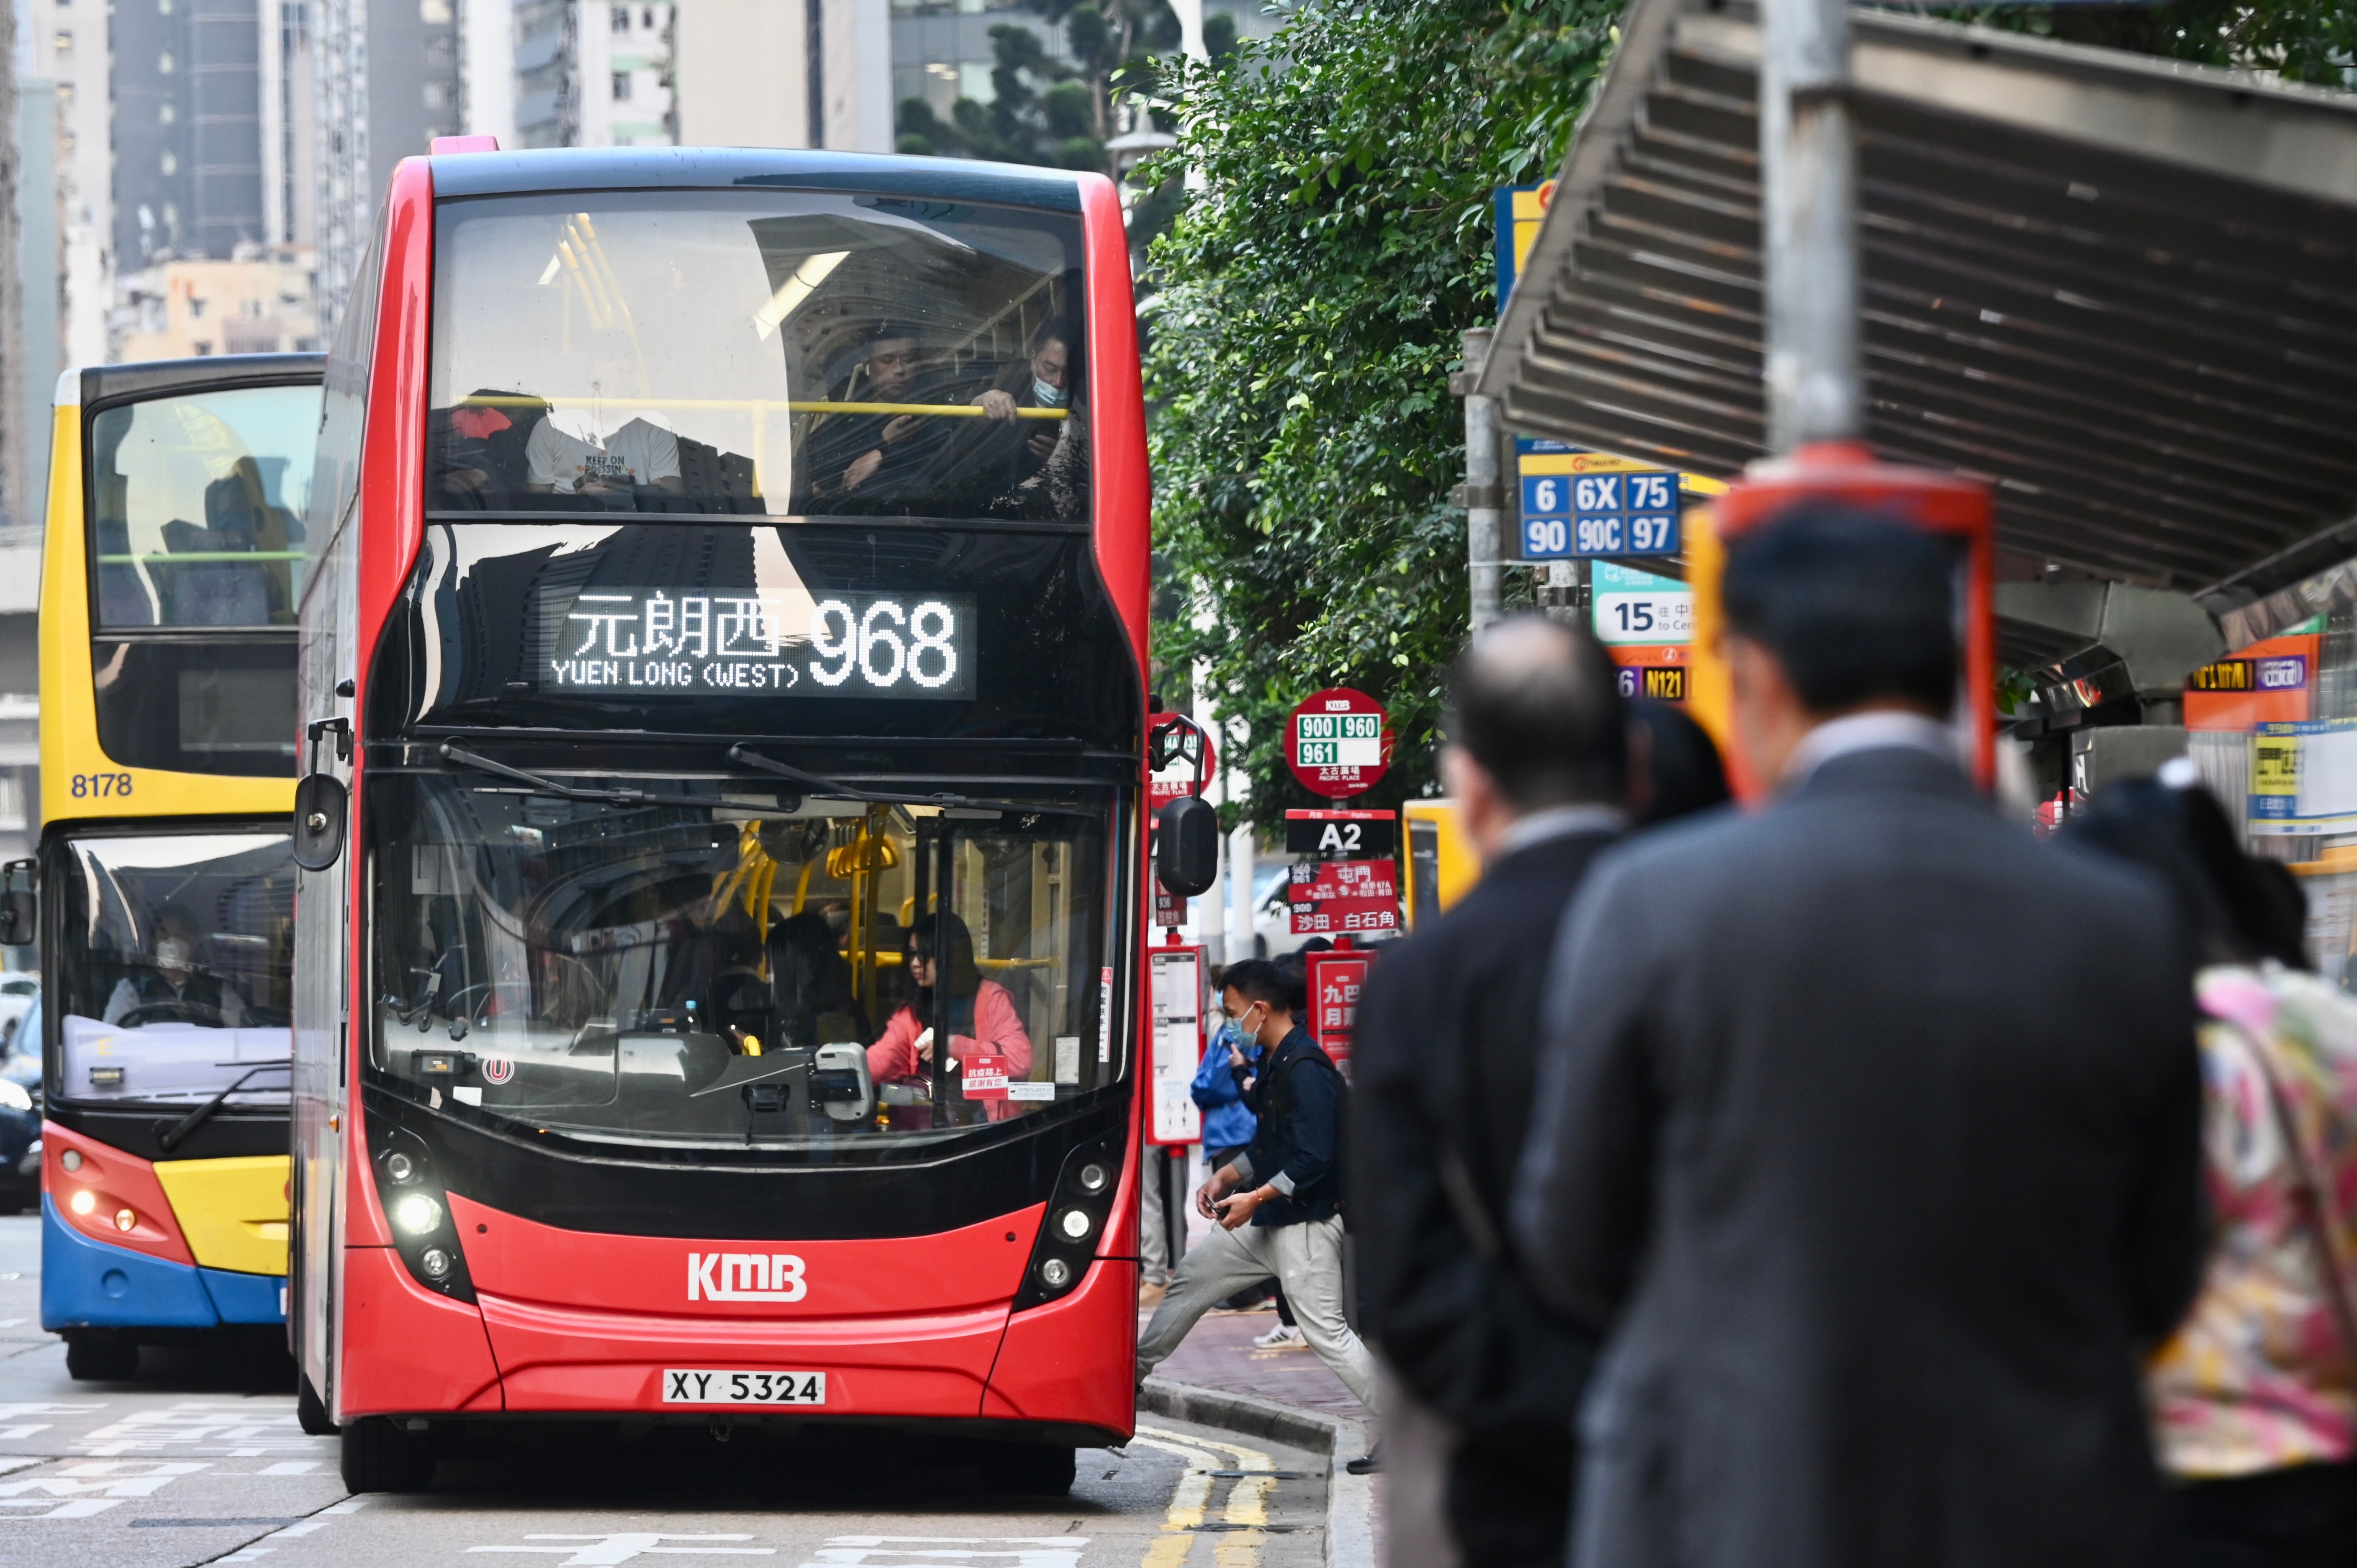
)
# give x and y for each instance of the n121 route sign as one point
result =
(1338, 742)
(1632, 513)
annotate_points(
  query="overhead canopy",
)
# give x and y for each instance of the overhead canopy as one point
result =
(2122, 289)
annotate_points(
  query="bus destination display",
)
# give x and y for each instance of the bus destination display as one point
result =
(683, 642)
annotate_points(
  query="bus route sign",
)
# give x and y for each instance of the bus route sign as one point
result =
(1338, 742)
(1628, 513)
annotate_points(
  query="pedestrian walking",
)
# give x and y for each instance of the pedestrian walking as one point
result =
(1218, 1089)
(1278, 1204)
(1868, 1127)
(2254, 1398)
(1480, 1375)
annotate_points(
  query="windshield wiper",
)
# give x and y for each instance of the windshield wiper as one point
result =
(172, 1136)
(611, 795)
(623, 796)
(943, 798)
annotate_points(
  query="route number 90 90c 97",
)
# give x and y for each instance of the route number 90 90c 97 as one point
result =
(709, 1387)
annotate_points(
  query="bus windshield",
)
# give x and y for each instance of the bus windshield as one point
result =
(173, 968)
(737, 966)
(767, 352)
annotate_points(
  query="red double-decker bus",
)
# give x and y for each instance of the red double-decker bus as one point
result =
(722, 670)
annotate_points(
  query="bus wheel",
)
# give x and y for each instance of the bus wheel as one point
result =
(100, 1358)
(378, 1456)
(1027, 1469)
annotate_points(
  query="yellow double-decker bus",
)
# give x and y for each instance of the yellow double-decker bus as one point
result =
(163, 893)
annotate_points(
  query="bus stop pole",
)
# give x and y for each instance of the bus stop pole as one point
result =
(1808, 156)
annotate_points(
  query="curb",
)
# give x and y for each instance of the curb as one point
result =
(1350, 1500)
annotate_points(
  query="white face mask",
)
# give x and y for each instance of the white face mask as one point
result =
(1046, 395)
(172, 953)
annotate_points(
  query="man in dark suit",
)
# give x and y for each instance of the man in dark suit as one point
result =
(1868, 1126)
(1484, 1377)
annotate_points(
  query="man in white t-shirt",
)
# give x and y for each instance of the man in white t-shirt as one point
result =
(565, 454)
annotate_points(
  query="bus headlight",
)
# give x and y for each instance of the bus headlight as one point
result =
(1094, 1177)
(417, 1214)
(1075, 1224)
(83, 1201)
(1056, 1274)
(417, 1210)
(126, 1221)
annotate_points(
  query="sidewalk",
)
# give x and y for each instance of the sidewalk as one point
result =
(1218, 1353)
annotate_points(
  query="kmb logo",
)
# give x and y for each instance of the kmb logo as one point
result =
(744, 1276)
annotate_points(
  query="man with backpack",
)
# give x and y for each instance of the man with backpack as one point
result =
(1279, 1202)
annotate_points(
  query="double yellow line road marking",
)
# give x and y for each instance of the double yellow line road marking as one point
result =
(1191, 1500)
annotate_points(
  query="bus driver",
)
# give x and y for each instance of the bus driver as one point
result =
(171, 991)
(952, 999)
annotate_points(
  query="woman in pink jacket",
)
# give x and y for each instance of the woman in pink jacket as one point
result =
(953, 1003)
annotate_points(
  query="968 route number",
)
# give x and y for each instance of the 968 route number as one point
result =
(706, 1386)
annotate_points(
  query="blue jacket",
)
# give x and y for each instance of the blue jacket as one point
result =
(1227, 1121)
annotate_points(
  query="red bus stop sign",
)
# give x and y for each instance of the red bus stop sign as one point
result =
(1338, 742)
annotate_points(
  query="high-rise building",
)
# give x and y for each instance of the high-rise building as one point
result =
(387, 79)
(806, 73)
(594, 73)
(187, 128)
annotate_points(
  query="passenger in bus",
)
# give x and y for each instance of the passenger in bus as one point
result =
(952, 999)
(879, 461)
(813, 983)
(988, 464)
(567, 455)
(479, 448)
(741, 1005)
(169, 990)
(212, 590)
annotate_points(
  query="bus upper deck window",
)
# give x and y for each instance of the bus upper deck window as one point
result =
(763, 353)
(196, 507)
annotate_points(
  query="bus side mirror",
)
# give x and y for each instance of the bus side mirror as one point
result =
(20, 907)
(1187, 846)
(320, 799)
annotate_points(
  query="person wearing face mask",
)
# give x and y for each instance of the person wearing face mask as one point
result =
(1279, 1203)
(999, 463)
(171, 991)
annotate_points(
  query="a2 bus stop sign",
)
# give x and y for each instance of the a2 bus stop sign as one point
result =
(1338, 742)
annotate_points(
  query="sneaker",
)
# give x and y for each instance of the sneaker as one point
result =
(1149, 1296)
(1283, 1336)
(1368, 1463)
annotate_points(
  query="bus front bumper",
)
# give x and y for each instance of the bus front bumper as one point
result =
(89, 1284)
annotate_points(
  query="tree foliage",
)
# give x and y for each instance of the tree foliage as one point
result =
(1310, 298)
(2303, 40)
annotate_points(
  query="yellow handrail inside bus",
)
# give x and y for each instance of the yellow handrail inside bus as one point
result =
(764, 405)
(196, 555)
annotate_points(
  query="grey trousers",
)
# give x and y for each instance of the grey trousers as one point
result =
(1305, 1259)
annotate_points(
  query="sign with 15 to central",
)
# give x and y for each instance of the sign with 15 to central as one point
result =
(1338, 742)
(1632, 513)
